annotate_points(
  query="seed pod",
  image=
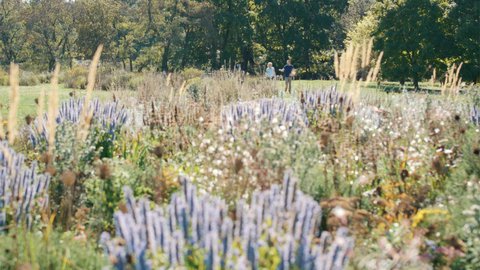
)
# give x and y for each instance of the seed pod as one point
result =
(68, 178)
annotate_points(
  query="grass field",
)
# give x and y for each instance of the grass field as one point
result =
(28, 94)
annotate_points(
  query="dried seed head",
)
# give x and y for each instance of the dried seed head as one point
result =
(68, 178)
(46, 158)
(123, 208)
(437, 165)
(158, 151)
(51, 170)
(104, 172)
(325, 138)
(238, 166)
(349, 121)
(28, 119)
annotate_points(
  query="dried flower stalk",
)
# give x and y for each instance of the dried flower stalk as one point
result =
(14, 100)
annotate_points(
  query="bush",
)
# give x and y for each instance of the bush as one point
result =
(113, 80)
(28, 78)
(75, 77)
(192, 73)
(135, 81)
(44, 77)
(3, 77)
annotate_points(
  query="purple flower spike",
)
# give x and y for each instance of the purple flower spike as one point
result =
(281, 218)
(21, 188)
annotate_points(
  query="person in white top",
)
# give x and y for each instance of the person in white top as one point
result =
(270, 71)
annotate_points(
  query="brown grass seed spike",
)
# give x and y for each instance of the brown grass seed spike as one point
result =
(87, 112)
(14, 101)
(53, 103)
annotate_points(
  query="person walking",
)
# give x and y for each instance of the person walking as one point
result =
(288, 73)
(270, 71)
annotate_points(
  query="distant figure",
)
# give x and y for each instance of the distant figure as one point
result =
(270, 71)
(288, 73)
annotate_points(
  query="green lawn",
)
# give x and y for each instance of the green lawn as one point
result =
(28, 94)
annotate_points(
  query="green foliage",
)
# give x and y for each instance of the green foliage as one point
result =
(28, 78)
(20, 249)
(4, 78)
(412, 48)
(103, 193)
(75, 77)
(465, 17)
(160, 35)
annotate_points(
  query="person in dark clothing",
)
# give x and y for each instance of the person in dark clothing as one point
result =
(288, 73)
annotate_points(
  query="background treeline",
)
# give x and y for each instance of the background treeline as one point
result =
(417, 36)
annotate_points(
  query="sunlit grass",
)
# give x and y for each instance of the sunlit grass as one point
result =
(28, 94)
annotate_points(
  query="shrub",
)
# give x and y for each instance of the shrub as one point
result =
(4, 79)
(75, 77)
(44, 77)
(192, 73)
(119, 80)
(28, 78)
(279, 229)
(135, 81)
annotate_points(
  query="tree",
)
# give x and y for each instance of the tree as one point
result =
(465, 18)
(51, 26)
(413, 39)
(95, 22)
(12, 31)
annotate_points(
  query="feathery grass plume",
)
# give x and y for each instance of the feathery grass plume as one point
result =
(14, 100)
(86, 115)
(451, 85)
(53, 101)
(369, 52)
(364, 54)
(181, 92)
(355, 59)
(376, 70)
(281, 219)
(2, 132)
(40, 106)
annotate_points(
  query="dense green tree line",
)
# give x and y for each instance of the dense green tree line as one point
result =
(416, 35)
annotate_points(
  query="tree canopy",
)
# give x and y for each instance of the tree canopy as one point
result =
(138, 35)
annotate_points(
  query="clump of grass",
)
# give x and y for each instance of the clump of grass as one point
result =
(354, 67)
(453, 81)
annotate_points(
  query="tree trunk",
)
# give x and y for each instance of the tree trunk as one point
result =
(415, 83)
(166, 52)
